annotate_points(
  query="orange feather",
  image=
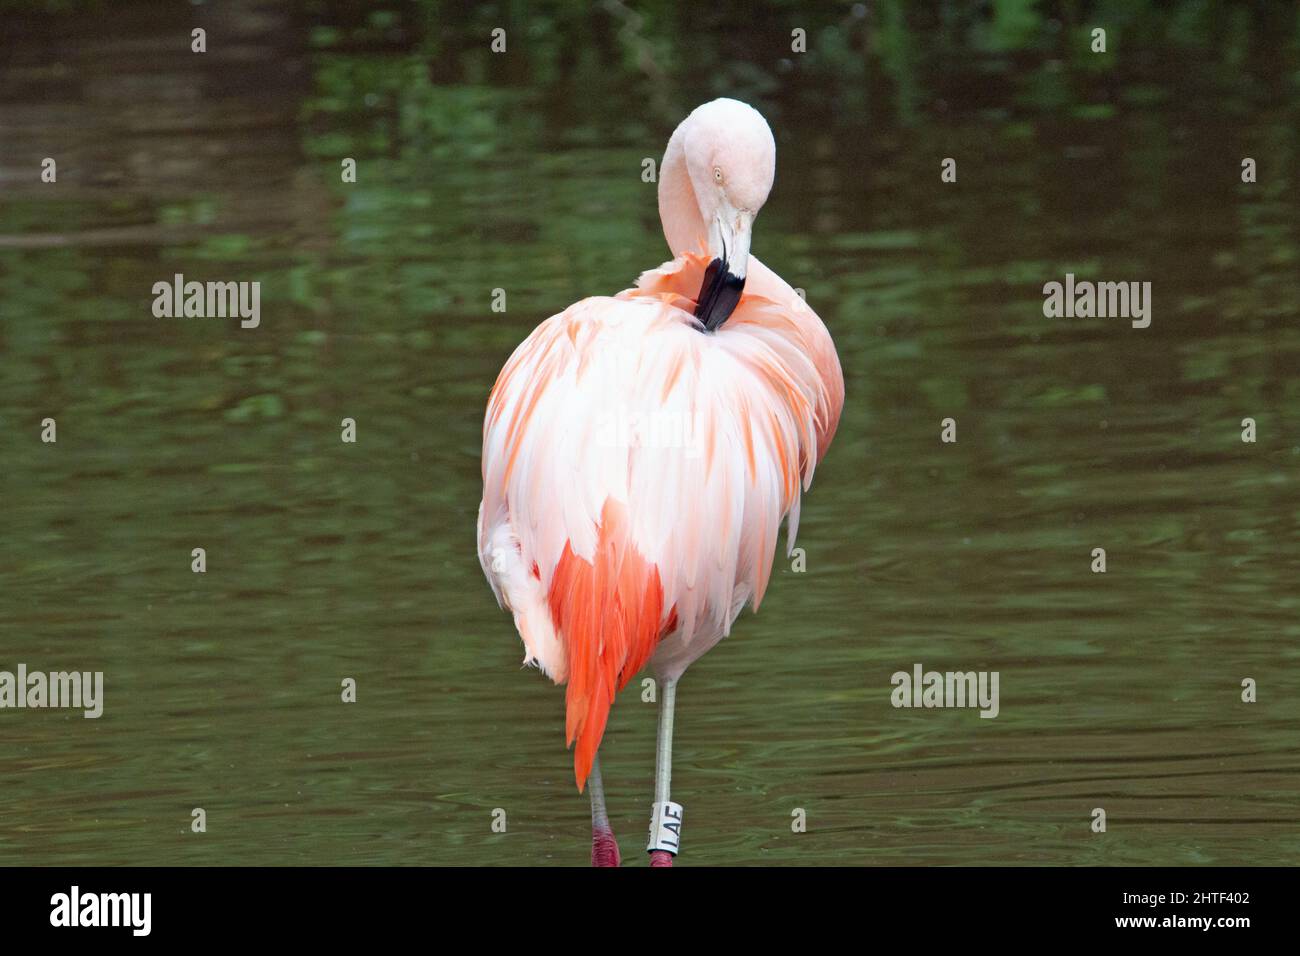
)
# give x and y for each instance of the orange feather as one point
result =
(608, 613)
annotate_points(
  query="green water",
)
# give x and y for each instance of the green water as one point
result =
(329, 560)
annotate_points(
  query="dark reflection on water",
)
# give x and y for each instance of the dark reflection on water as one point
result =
(329, 560)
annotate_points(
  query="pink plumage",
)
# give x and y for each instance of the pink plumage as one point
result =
(636, 468)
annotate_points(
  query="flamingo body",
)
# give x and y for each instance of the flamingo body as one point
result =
(636, 468)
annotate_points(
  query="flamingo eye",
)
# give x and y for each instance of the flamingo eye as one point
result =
(717, 174)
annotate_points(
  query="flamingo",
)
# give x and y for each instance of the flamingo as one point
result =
(640, 452)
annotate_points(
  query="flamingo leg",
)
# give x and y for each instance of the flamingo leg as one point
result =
(604, 848)
(665, 819)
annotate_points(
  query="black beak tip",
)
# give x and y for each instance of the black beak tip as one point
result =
(719, 295)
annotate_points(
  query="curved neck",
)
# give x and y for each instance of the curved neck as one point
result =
(679, 210)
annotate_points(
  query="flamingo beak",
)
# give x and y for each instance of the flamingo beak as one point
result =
(724, 280)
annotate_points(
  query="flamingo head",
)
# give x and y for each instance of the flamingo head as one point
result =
(731, 160)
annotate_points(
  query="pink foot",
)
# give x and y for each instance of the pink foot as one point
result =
(604, 848)
(661, 858)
